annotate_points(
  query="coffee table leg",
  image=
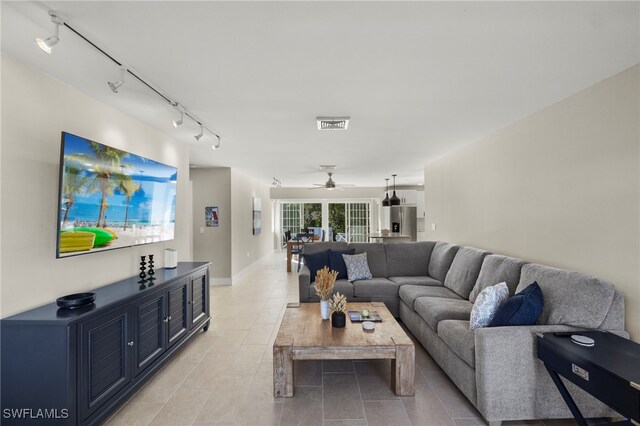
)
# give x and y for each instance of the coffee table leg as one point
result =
(282, 371)
(403, 369)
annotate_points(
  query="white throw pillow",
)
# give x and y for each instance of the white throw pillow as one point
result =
(357, 266)
(487, 304)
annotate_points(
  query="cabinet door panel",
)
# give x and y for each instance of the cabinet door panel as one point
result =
(199, 299)
(150, 330)
(105, 361)
(178, 311)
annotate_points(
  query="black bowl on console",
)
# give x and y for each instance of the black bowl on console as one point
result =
(77, 300)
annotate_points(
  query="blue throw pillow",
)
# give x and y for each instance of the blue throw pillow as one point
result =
(336, 262)
(523, 308)
(315, 262)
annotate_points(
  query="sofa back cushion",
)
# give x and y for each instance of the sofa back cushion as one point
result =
(376, 256)
(570, 298)
(464, 270)
(440, 260)
(409, 259)
(311, 248)
(495, 269)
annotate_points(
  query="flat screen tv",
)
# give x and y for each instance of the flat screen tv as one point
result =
(109, 198)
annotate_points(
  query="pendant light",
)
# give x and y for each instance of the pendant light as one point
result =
(395, 200)
(386, 202)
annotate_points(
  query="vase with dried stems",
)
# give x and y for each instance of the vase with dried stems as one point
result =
(324, 288)
(338, 305)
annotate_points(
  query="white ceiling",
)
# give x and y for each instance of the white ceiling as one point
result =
(418, 79)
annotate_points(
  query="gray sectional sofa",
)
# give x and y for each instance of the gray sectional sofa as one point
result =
(431, 287)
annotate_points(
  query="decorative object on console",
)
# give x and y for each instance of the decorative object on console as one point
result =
(170, 258)
(386, 202)
(77, 300)
(151, 272)
(143, 267)
(338, 305)
(487, 304)
(324, 289)
(394, 200)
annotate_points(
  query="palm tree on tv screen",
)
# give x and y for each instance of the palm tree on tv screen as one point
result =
(73, 182)
(107, 161)
(128, 187)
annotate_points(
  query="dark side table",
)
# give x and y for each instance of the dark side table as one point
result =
(609, 370)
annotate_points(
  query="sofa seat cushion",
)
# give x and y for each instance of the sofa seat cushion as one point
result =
(374, 287)
(435, 309)
(464, 270)
(419, 280)
(458, 337)
(570, 298)
(409, 293)
(340, 286)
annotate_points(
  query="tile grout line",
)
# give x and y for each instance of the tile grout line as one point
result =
(360, 393)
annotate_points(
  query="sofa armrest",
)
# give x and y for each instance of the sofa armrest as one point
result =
(507, 370)
(304, 282)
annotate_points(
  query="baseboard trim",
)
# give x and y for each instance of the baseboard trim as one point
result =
(250, 268)
(219, 281)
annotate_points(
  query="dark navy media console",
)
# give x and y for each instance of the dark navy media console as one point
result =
(75, 367)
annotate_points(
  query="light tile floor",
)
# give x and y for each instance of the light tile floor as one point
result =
(224, 376)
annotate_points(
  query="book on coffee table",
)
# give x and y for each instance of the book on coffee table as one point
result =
(356, 317)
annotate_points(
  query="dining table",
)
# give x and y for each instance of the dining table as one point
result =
(294, 243)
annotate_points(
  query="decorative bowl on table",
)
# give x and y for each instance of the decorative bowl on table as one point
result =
(77, 300)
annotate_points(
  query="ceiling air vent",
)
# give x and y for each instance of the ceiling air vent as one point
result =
(332, 123)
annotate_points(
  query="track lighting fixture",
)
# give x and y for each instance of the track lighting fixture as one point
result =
(177, 123)
(198, 136)
(48, 43)
(114, 86)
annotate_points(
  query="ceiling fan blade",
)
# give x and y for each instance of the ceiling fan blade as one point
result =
(317, 187)
(346, 184)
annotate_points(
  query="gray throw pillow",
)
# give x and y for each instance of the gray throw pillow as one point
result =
(487, 304)
(357, 266)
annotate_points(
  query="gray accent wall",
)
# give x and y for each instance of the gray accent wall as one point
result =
(560, 187)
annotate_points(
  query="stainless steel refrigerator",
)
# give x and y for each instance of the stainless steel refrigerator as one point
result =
(404, 220)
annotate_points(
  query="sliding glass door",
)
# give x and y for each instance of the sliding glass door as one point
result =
(350, 222)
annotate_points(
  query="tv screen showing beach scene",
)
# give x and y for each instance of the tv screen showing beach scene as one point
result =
(111, 198)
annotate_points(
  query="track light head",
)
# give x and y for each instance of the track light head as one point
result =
(177, 123)
(217, 144)
(114, 86)
(198, 136)
(49, 42)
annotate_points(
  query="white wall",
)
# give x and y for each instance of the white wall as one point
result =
(246, 247)
(560, 187)
(35, 110)
(212, 188)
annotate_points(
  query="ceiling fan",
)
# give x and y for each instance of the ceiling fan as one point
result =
(330, 183)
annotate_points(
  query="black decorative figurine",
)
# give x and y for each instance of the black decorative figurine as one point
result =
(151, 272)
(142, 274)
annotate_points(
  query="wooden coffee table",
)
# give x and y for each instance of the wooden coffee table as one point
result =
(303, 335)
